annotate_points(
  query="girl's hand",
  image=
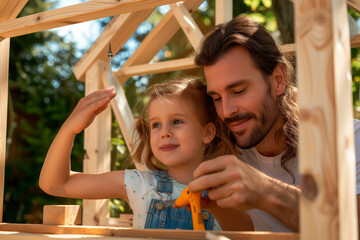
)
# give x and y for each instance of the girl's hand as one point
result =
(88, 108)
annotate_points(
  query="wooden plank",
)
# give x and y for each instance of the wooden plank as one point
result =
(117, 31)
(33, 236)
(223, 11)
(354, 4)
(4, 88)
(77, 13)
(97, 146)
(160, 67)
(10, 9)
(289, 49)
(326, 150)
(157, 38)
(355, 42)
(62, 214)
(124, 221)
(188, 25)
(121, 109)
(143, 233)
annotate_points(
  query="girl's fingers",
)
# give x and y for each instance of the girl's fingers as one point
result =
(108, 92)
(97, 100)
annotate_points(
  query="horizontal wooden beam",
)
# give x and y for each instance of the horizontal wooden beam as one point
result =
(188, 63)
(160, 67)
(142, 233)
(117, 32)
(355, 42)
(289, 49)
(77, 13)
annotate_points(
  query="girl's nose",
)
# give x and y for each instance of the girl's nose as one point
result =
(166, 134)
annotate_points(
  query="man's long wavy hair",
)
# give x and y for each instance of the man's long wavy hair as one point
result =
(199, 107)
(244, 32)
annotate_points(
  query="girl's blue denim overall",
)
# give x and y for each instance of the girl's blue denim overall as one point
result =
(171, 218)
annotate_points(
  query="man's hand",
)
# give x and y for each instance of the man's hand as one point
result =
(235, 184)
(231, 182)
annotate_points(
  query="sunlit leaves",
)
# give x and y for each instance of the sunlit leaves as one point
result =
(254, 4)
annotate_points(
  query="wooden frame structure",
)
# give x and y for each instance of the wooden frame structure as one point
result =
(328, 206)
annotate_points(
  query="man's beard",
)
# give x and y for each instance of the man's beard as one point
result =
(269, 113)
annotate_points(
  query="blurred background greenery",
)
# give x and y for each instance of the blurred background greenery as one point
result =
(43, 91)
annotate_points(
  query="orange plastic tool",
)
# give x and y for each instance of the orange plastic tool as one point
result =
(187, 197)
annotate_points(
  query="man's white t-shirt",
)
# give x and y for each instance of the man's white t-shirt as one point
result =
(271, 166)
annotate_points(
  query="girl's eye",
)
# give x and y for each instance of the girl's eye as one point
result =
(155, 125)
(177, 121)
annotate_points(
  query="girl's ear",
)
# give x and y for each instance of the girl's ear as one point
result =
(209, 133)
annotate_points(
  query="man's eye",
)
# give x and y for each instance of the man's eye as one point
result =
(239, 92)
(177, 121)
(155, 125)
(216, 99)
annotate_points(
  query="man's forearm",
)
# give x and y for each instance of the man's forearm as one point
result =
(282, 202)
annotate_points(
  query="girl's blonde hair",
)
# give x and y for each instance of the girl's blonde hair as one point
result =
(199, 106)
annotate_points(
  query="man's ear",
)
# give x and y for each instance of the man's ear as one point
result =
(278, 80)
(209, 133)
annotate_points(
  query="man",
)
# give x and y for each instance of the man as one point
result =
(251, 83)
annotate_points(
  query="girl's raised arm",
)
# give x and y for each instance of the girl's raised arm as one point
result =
(56, 177)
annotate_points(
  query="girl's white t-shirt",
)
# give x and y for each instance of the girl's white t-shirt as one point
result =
(141, 188)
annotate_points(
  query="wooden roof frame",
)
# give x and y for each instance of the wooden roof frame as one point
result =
(326, 133)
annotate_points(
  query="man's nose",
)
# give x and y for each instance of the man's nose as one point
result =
(229, 108)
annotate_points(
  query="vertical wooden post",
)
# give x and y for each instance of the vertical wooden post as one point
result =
(8, 10)
(4, 88)
(223, 11)
(97, 146)
(327, 159)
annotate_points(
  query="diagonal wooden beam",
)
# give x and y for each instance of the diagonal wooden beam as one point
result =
(157, 38)
(117, 31)
(187, 23)
(122, 111)
(354, 4)
(77, 13)
(10, 9)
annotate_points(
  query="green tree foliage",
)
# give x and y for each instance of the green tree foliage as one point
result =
(42, 92)
(355, 67)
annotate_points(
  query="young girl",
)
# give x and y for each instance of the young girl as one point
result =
(177, 132)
